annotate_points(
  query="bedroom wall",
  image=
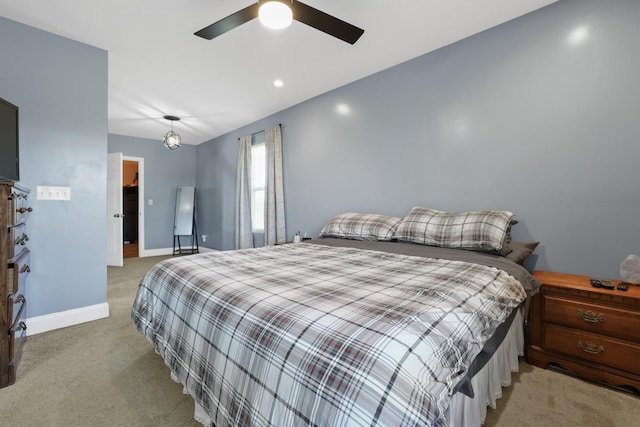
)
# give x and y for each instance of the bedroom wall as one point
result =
(164, 172)
(60, 87)
(538, 115)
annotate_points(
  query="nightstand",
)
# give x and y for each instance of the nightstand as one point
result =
(590, 332)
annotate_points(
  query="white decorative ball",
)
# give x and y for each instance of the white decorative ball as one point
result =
(630, 269)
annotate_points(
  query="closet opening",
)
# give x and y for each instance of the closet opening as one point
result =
(130, 239)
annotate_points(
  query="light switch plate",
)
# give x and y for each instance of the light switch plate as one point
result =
(53, 193)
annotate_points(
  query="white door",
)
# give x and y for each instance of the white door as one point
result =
(114, 210)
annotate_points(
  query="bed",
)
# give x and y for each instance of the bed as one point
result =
(337, 331)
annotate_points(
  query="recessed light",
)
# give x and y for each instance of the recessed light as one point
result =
(278, 83)
(343, 109)
(579, 35)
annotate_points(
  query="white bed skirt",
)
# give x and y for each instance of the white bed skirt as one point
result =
(487, 384)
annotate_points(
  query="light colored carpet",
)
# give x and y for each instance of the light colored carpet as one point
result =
(105, 373)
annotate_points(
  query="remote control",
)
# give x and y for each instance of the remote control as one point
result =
(598, 283)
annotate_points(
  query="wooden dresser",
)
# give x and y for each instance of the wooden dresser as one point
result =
(14, 268)
(588, 331)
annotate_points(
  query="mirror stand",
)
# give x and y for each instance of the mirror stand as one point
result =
(185, 221)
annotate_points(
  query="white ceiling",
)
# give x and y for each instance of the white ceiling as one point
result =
(158, 67)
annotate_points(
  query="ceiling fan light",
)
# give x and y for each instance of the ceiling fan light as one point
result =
(275, 14)
(172, 140)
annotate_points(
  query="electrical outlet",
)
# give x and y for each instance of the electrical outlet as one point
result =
(204, 238)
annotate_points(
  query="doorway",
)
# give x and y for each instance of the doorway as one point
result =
(130, 209)
(120, 185)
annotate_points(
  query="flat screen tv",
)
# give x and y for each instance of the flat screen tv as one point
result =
(9, 144)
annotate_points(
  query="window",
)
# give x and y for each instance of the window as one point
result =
(258, 180)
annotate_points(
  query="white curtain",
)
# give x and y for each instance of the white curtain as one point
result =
(274, 224)
(244, 233)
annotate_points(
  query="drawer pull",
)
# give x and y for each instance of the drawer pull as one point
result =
(590, 316)
(25, 269)
(22, 240)
(21, 327)
(589, 347)
(23, 210)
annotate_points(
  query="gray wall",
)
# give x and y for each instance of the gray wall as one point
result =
(515, 118)
(216, 165)
(164, 172)
(61, 89)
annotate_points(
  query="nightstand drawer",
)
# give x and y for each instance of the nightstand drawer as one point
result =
(593, 318)
(592, 347)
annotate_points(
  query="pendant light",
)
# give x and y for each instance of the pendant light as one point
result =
(172, 139)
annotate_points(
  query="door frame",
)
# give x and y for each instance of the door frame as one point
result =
(114, 210)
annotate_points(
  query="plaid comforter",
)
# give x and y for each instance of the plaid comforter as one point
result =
(313, 335)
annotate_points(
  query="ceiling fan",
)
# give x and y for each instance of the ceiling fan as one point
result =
(296, 10)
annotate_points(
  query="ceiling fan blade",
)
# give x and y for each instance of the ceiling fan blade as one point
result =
(230, 22)
(326, 23)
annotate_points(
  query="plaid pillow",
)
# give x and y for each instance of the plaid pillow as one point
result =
(485, 231)
(358, 226)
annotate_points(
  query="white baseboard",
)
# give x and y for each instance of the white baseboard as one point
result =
(62, 319)
(169, 251)
(156, 252)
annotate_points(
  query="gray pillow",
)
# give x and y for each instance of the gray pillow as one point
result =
(484, 231)
(520, 250)
(359, 226)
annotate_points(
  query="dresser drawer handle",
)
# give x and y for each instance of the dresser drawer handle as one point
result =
(589, 347)
(590, 316)
(22, 240)
(23, 210)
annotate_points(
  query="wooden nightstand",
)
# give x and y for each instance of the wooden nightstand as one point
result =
(591, 332)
